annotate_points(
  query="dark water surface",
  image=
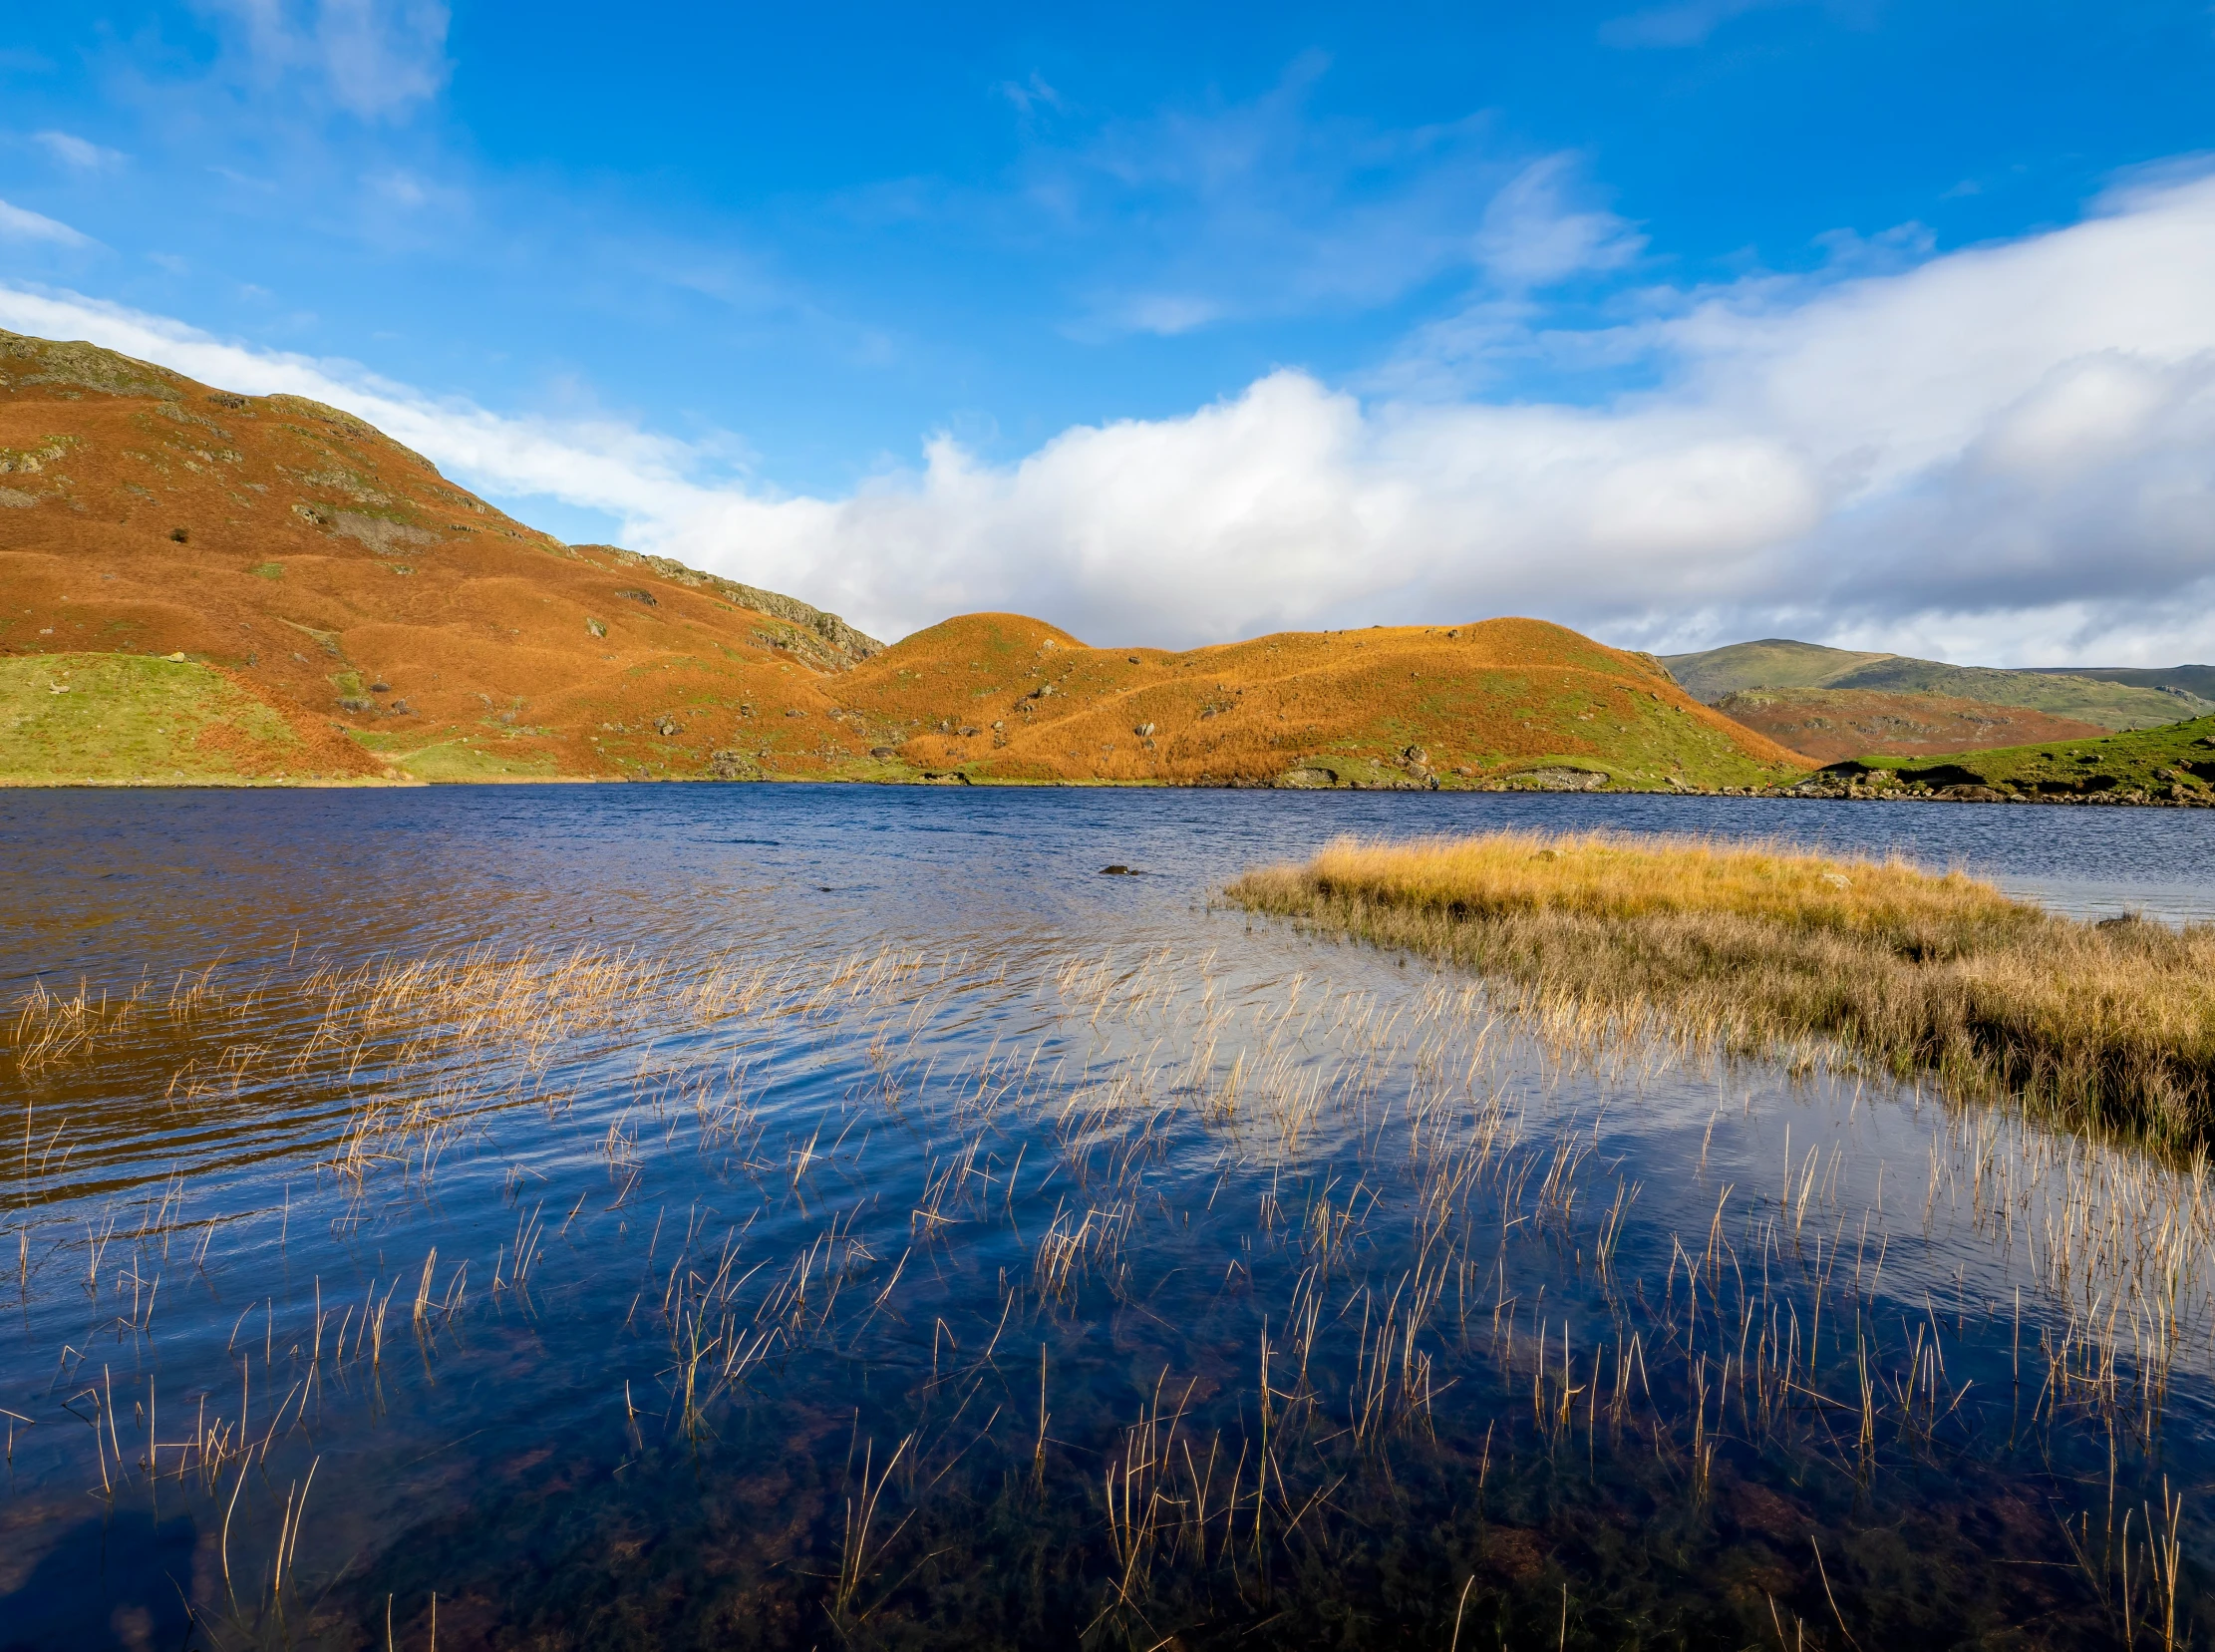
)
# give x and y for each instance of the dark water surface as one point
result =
(811, 1216)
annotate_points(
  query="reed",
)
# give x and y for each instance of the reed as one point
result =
(1366, 1176)
(1761, 949)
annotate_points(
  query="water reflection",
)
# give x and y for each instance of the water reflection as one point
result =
(887, 1229)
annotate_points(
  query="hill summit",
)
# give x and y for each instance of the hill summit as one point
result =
(201, 585)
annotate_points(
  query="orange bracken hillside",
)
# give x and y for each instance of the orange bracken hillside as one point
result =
(196, 584)
(1506, 701)
(336, 575)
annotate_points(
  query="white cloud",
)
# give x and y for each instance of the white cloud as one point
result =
(2005, 454)
(20, 223)
(81, 153)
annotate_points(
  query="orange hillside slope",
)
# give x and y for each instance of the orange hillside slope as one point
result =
(338, 577)
(400, 626)
(1004, 698)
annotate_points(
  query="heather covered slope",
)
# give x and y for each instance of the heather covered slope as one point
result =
(997, 697)
(333, 574)
(1779, 663)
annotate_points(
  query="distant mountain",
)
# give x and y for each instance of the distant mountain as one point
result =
(1828, 723)
(2111, 700)
(2197, 680)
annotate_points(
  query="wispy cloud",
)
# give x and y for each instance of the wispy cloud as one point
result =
(1542, 229)
(1263, 210)
(20, 223)
(82, 154)
(1683, 23)
(372, 58)
(2003, 453)
(1031, 94)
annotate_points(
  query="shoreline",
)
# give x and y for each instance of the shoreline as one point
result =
(1797, 793)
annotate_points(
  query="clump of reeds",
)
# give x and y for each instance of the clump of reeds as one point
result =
(1757, 949)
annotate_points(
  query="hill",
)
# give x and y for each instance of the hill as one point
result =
(1504, 702)
(2195, 680)
(2173, 764)
(1831, 723)
(199, 585)
(298, 557)
(1779, 663)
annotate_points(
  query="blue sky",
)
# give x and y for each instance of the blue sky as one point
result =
(1176, 323)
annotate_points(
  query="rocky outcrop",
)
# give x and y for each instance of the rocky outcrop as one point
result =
(840, 645)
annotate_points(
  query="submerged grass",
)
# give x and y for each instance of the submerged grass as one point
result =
(1339, 1342)
(2108, 1025)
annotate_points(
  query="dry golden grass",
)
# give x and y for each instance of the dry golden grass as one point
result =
(1760, 949)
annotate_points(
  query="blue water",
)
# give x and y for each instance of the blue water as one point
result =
(974, 1134)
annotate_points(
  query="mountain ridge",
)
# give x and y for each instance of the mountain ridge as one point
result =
(1773, 663)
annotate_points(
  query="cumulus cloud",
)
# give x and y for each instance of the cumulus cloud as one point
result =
(2006, 453)
(20, 223)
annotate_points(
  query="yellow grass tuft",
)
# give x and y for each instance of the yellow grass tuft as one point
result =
(1758, 948)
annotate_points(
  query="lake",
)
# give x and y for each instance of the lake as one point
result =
(787, 1215)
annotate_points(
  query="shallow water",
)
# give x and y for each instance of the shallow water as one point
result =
(928, 1240)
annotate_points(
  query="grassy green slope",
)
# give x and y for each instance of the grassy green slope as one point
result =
(1774, 662)
(115, 719)
(2110, 705)
(2196, 680)
(2172, 763)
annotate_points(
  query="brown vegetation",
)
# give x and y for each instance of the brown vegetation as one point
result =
(339, 578)
(1505, 701)
(1828, 724)
(1760, 949)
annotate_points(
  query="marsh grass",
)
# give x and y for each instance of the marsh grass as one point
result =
(1376, 1328)
(1762, 949)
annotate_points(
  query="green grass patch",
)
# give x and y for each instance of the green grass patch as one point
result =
(2175, 762)
(456, 760)
(116, 718)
